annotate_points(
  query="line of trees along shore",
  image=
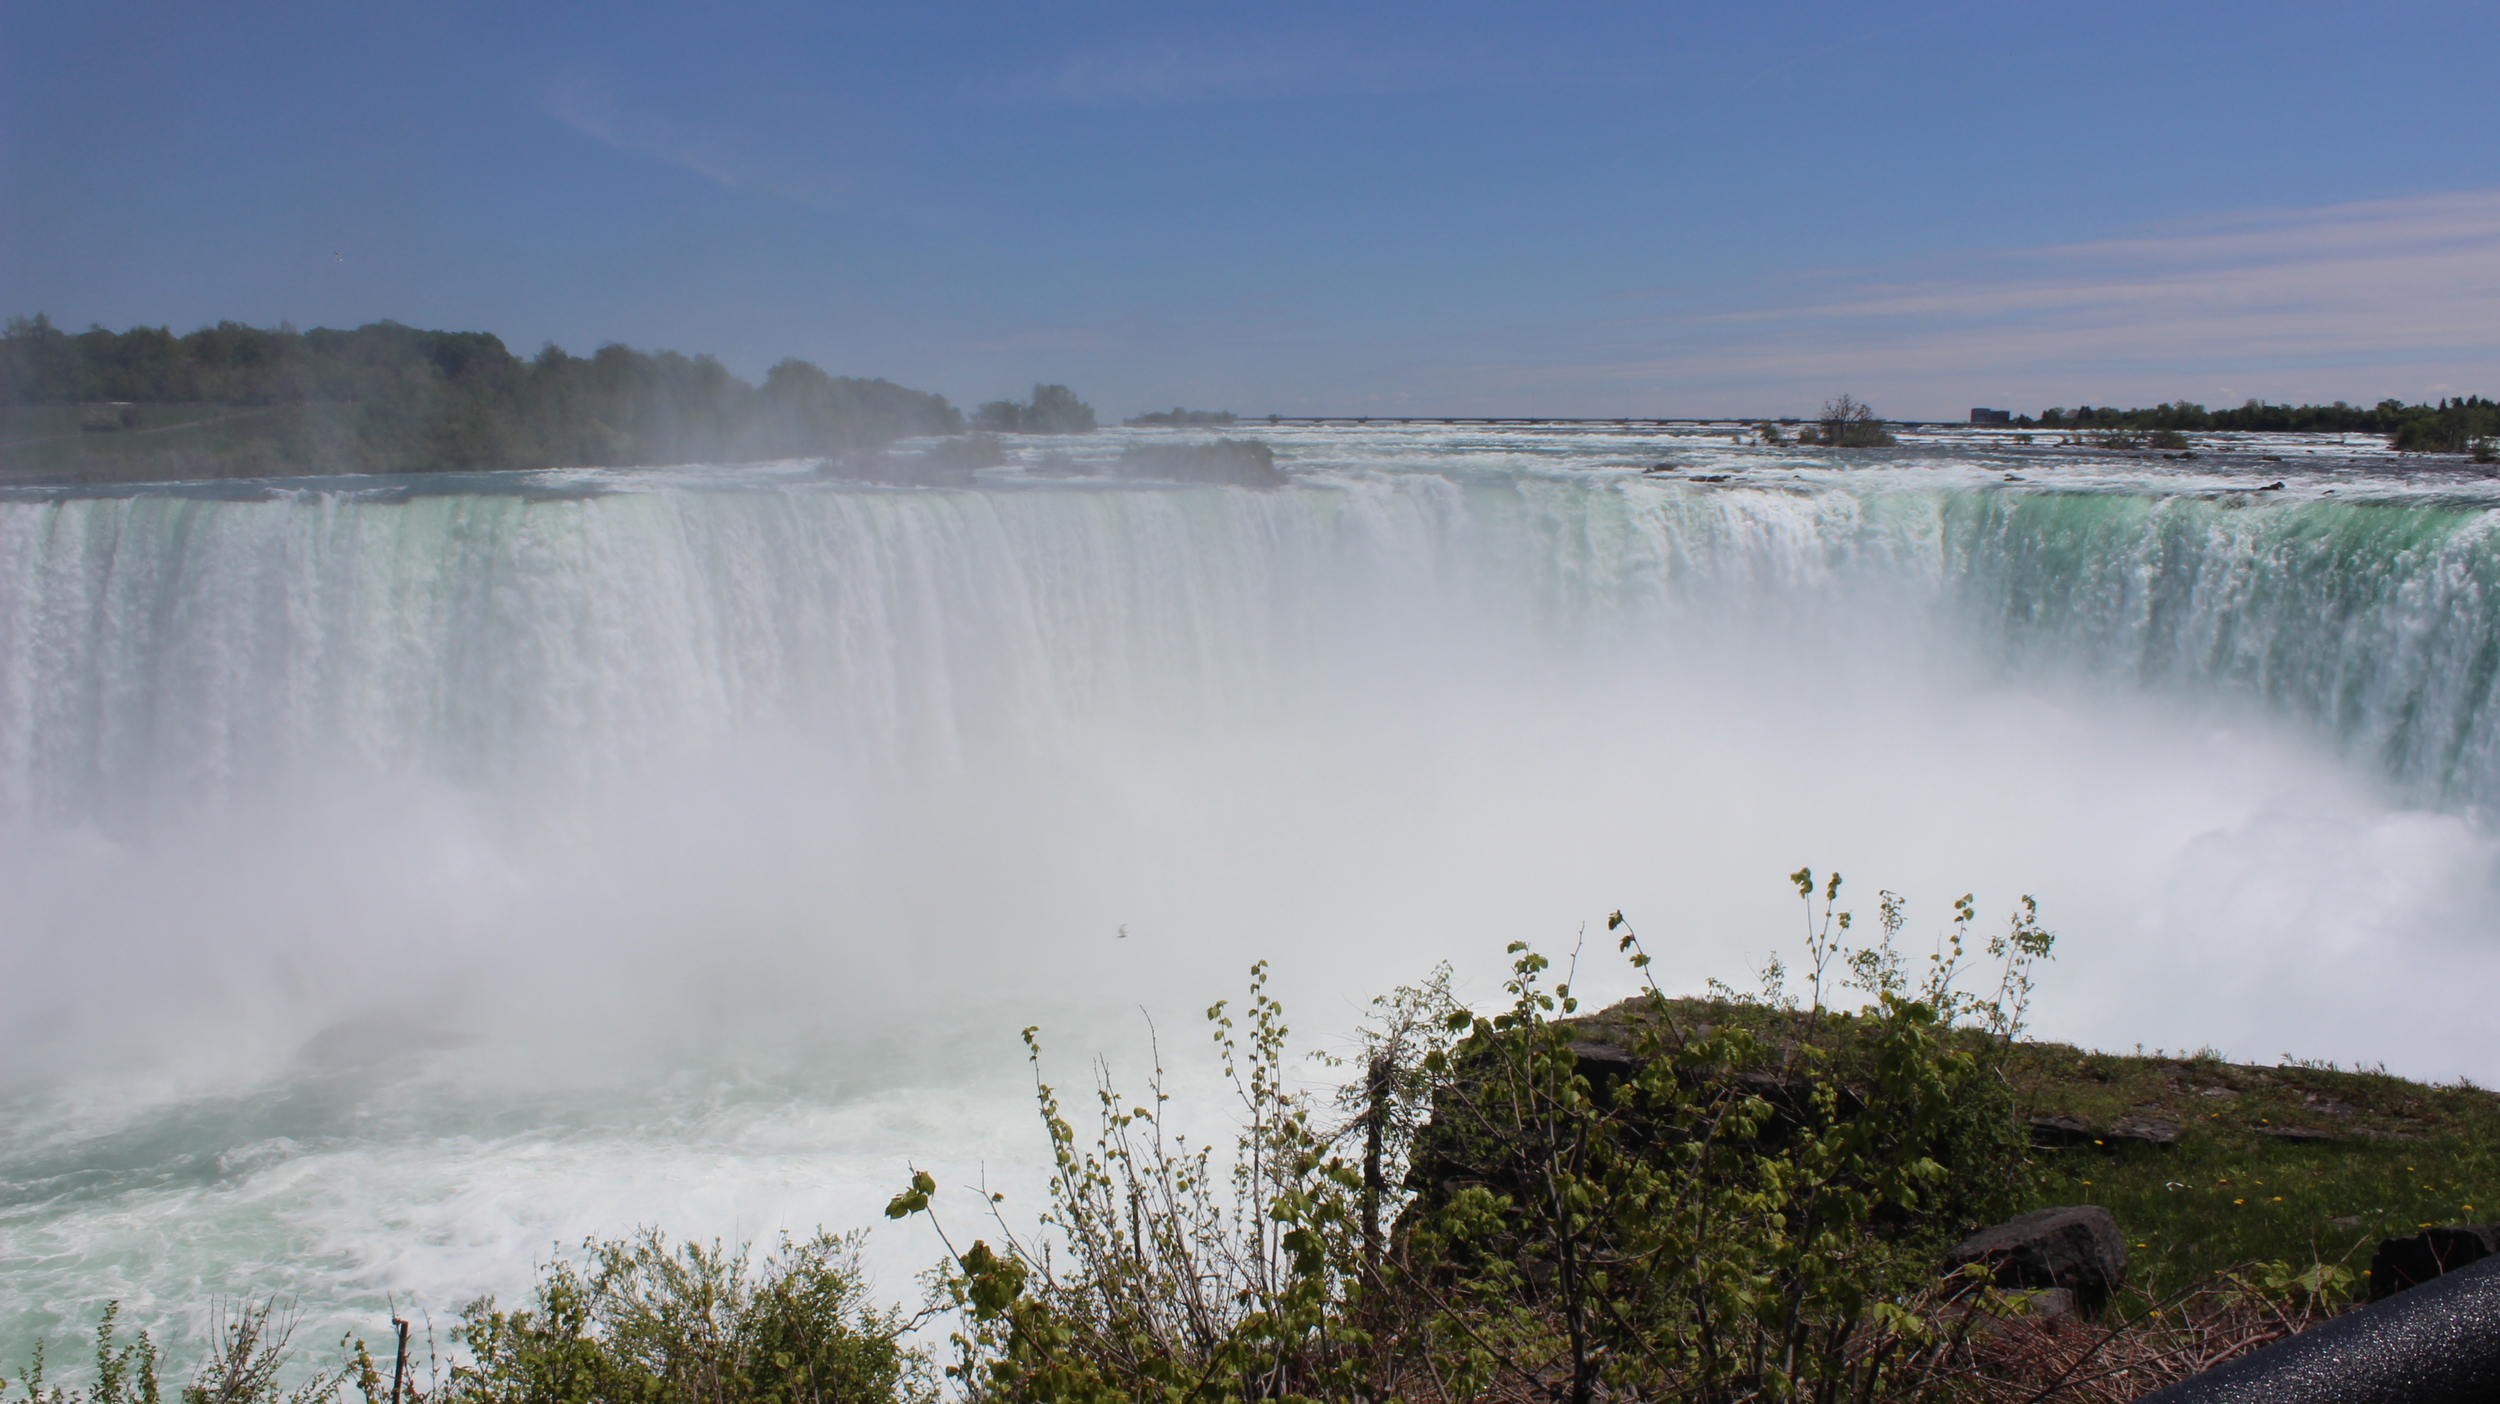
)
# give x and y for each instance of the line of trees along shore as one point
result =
(391, 398)
(2450, 426)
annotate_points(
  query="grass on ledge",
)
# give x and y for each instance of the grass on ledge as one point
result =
(2233, 1189)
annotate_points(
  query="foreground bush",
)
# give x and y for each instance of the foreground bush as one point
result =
(248, 1351)
(1740, 1208)
(641, 1323)
(1735, 1198)
(692, 1325)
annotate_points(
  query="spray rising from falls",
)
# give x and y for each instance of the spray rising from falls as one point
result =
(251, 743)
(620, 780)
(165, 649)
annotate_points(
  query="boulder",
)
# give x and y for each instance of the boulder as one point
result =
(1226, 462)
(2409, 1262)
(379, 1038)
(2077, 1247)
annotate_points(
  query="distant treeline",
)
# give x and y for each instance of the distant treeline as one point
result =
(386, 397)
(2451, 426)
(1179, 418)
(1054, 409)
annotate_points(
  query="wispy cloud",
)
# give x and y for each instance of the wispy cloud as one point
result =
(595, 104)
(2387, 295)
(1140, 335)
(1235, 69)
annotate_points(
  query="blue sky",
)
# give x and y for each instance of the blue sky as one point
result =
(1558, 209)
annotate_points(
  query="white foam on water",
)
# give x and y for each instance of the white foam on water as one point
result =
(694, 853)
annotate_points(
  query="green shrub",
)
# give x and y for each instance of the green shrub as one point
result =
(1752, 1202)
(248, 1351)
(1160, 1275)
(1748, 1206)
(642, 1323)
(1054, 409)
(645, 1321)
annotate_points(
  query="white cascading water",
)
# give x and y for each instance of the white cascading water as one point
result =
(687, 848)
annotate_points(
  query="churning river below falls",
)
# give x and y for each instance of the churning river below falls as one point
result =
(401, 879)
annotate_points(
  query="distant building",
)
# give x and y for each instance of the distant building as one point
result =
(1988, 416)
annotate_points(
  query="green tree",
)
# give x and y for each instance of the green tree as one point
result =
(1848, 423)
(1054, 409)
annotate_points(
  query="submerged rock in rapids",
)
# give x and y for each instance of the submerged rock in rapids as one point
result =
(369, 1040)
(1226, 462)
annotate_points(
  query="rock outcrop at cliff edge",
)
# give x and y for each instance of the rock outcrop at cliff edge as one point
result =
(1226, 462)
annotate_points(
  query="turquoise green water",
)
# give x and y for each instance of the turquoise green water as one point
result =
(656, 811)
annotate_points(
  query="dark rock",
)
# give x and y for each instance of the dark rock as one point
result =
(1226, 462)
(2400, 1263)
(944, 463)
(2144, 1130)
(2058, 1129)
(2295, 1133)
(2272, 487)
(2077, 1247)
(380, 1038)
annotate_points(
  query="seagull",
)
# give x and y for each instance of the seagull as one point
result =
(1124, 931)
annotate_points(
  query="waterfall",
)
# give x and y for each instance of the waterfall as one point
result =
(706, 836)
(160, 648)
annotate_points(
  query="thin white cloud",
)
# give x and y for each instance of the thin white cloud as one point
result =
(593, 104)
(1137, 334)
(2455, 218)
(1154, 72)
(2389, 296)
